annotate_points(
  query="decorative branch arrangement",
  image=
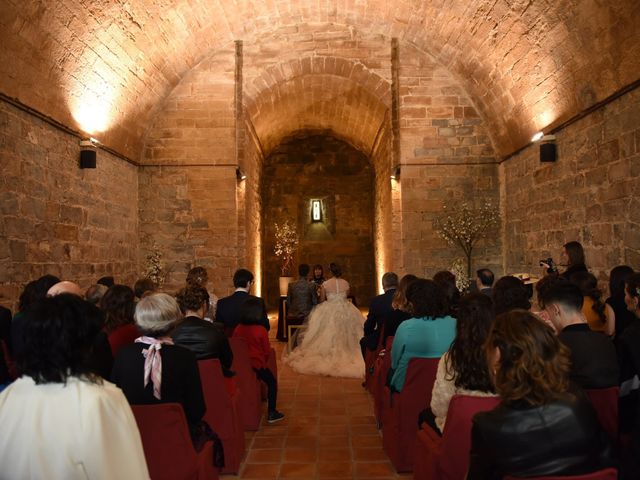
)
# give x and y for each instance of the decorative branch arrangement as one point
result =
(464, 225)
(286, 245)
(155, 270)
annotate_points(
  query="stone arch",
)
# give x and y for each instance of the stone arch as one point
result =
(527, 64)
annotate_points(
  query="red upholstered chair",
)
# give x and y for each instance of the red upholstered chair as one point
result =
(370, 357)
(222, 414)
(605, 474)
(273, 366)
(400, 412)
(381, 370)
(605, 402)
(167, 444)
(447, 457)
(249, 399)
(9, 361)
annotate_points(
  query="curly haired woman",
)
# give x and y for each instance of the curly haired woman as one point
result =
(541, 427)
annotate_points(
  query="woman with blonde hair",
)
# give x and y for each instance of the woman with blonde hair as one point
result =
(401, 308)
(541, 427)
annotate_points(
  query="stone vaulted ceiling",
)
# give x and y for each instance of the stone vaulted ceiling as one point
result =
(106, 66)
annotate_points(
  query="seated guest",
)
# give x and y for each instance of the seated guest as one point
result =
(541, 427)
(594, 363)
(301, 297)
(463, 369)
(427, 335)
(95, 293)
(203, 338)
(107, 281)
(100, 360)
(33, 291)
(118, 305)
(251, 330)
(484, 281)
(629, 360)
(379, 310)
(617, 279)
(153, 369)
(65, 286)
(199, 276)
(447, 283)
(510, 293)
(599, 315)
(144, 286)
(229, 307)
(401, 308)
(59, 420)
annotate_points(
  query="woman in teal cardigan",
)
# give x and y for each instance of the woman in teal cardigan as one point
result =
(427, 335)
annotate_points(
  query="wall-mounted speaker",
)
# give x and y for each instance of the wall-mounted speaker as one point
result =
(87, 159)
(548, 152)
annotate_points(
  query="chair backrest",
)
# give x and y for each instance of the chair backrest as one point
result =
(605, 402)
(605, 474)
(249, 401)
(166, 441)
(419, 380)
(456, 438)
(216, 397)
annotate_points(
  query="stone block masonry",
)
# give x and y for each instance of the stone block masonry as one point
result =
(56, 218)
(590, 194)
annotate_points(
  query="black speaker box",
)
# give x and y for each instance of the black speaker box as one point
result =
(87, 159)
(547, 152)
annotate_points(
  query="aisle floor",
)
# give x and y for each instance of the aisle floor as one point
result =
(329, 432)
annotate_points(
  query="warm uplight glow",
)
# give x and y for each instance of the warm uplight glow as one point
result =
(537, 137)
(92, 113)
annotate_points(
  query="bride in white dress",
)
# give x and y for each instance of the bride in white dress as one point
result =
(329, 343)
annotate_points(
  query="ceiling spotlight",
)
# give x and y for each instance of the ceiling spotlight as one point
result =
(537, 136)
(395, 172)
(240, 175)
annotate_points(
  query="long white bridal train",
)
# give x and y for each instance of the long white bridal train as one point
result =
(329, 344)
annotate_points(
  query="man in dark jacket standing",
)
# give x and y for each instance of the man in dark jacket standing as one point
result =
(379, 309)
(228, 311)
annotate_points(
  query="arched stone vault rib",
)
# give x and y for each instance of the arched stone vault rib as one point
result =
(317, 102)
(525, 64)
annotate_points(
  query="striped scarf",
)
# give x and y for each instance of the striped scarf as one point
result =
(153, 361)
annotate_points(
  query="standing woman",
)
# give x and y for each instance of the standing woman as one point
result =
(541, 427)
(318, 279)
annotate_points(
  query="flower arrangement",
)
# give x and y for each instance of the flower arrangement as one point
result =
(286, 245)
(155, 270)
(464, 225)
(462, 279)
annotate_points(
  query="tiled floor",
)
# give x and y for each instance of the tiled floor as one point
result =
(329, 432)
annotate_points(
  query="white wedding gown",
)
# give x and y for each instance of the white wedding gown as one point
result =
(329, 344)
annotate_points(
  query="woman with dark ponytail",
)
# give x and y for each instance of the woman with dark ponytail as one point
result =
(599, 315)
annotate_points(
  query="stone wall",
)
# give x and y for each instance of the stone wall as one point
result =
(56, 218)
(321, 167)
(191, 214)
(446, 157)
(590, 194)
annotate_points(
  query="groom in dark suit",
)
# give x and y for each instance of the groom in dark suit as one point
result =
(228, 310)
(379, 310)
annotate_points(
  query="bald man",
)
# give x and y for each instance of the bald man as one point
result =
(65, 287)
